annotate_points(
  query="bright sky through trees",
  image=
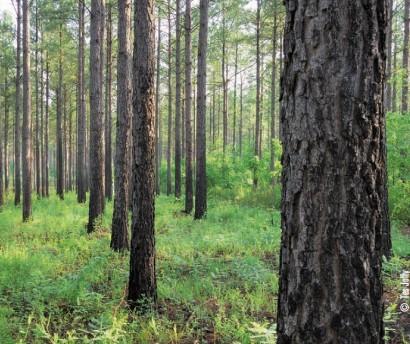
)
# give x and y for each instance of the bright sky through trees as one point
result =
(6, 5)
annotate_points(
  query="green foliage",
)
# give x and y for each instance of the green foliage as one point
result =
(231, 177)
(398, 142)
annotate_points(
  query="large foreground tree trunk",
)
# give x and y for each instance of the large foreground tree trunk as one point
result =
(200, 180)
(142, 281)
(119, 233)
(96, 117)
(27, 127)
(334, 200)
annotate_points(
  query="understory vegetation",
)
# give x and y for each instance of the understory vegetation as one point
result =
(217, 277)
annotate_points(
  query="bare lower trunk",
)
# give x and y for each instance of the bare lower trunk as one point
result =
(158, 113)
(119, 231)
(6, 139)
(334, 198)
(142, 281)
(1, 167)
(389, 43)
(394, 89)
(46, 149)
(108, 109)
(224, 84)
(70, 151)
(200, 180)
(189, 202)
(241, 118)
(178, 102)
(96, 207)
(60, 159)
(258, 94)
(81, 120)
(169, 186)
(38, 163)
(27, 127)
(43, 157)
(234, 98)
(273, 95)
(17, 178)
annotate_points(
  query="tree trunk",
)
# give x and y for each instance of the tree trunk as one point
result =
(43, 157)
(169, 186)
(87, 154)
(17, 178)
(6, 136)
(66, 157)
(273, 95)
(27, 127)
(47, 125)
(108, 109)
(189, 200)
(224, 85)
(394, 89)
(70, 150)
(281, 58)
(38, 165)
(142, 281)
(178, 102)
(119, 233)
(213, 113)
(334, 197)
(389, 44)
(258, 93)
(241, 118)
(234, 97)
(406, 43)
(96, 207)
(1, 167)
(60, 159)
(46, 129)
(218, 124)
(81, 120)
(157, 113)
(194, 124)
(200, 187)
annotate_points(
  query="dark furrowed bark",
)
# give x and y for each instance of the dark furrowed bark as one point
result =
(334, 201)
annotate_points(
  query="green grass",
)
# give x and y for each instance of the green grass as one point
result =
(217, 278)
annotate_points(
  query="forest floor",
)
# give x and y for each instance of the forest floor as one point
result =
(217, 278)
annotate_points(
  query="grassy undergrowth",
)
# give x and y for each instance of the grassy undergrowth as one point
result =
(217, 278)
